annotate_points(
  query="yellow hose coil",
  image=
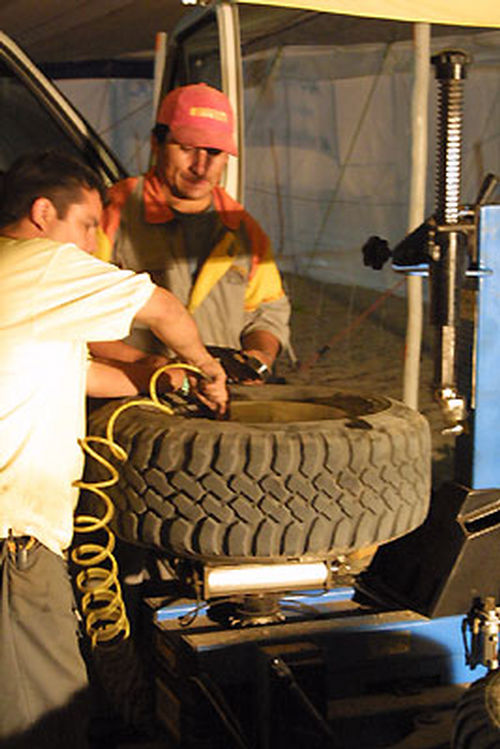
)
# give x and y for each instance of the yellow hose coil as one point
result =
(102, 604)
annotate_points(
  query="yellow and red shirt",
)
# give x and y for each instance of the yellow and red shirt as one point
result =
(236, 290)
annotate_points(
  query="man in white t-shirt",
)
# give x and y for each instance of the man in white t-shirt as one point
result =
(54, 300)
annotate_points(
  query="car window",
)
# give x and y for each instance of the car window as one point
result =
(25, 125)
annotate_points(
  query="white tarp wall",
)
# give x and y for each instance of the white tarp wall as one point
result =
(328, 147)
(120, 110)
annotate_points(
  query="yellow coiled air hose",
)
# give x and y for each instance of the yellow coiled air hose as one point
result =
(102, 604)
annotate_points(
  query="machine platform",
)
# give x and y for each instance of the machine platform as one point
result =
(368, 674)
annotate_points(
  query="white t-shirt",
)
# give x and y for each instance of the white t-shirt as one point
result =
(54, 298)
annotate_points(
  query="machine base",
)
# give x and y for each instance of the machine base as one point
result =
(339, 671)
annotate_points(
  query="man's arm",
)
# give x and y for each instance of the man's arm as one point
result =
(170, 321)
(118, 369)
(120, 351)
(113, 379)
(263, 345)
(121, 372)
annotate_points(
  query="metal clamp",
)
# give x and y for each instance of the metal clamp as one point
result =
(483, 624)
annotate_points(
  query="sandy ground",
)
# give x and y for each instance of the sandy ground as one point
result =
(353, 338)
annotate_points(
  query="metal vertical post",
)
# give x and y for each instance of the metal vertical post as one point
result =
(448, 256)
(413, 344)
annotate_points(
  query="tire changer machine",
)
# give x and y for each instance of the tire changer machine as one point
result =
(348, 666)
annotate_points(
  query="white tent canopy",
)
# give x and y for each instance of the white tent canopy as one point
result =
(460, 12)
(51, 31)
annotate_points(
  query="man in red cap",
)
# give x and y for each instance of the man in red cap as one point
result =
(179, 225)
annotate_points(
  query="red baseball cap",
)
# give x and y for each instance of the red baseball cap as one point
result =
(199, 116)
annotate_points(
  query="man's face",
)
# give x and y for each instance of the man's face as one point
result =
(80, 223)
(190, 173)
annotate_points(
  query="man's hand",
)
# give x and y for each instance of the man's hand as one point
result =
(266, 359)
(108, 378)
(261, 345)
(211, 388)
(170, 321)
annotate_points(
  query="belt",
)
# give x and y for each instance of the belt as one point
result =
(16, 543)
(18, 547)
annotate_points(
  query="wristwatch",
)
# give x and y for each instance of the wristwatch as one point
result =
(261, 370)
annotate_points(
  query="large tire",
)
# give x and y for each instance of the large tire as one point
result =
(477, 717)
(303, 473)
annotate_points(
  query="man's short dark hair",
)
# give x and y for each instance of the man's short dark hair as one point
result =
(160, 132)
(55, 175)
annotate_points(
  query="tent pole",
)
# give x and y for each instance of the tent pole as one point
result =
(416, 213)
(161, 39)
(159, 68)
